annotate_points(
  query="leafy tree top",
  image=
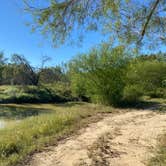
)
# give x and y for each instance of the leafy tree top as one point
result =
(130, 21)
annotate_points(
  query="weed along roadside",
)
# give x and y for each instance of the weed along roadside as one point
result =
(33, 133)
(129, 137)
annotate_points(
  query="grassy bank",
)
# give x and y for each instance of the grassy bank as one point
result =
(32, 134)
(160, 156)
(35, 94)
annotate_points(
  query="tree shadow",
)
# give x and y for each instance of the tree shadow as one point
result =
(145, 105)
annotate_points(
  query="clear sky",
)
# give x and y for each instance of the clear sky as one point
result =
(16, 37)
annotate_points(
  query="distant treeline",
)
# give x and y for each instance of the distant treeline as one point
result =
(18, 71)
(106, 75)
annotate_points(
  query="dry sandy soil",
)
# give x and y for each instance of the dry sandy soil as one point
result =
(124, 139)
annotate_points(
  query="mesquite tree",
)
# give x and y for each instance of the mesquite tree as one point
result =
(132, 21)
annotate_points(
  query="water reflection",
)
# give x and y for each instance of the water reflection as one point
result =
(2, 123)
(8, 114)
(18, 113)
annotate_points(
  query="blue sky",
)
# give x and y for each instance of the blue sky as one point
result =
(16, 37)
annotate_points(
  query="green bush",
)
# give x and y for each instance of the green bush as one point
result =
(60, 89)
(132, 93)
(164, 83)
(158, 93)
(12, 91)
(149, 74)
(100, 75)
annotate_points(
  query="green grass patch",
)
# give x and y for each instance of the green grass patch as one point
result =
(34, 94)
(33, 133)
(160, 157)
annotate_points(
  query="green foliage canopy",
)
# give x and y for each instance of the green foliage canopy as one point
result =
(132, 21)
(100, 74)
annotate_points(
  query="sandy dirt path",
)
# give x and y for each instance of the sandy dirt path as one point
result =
(124, 139)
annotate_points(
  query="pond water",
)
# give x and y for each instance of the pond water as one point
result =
(2, 124)
(9, 114)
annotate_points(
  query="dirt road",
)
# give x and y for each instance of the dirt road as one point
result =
(124, 139)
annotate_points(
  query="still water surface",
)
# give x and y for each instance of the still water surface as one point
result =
(15, 114)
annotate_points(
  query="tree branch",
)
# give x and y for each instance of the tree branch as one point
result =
(148, 19)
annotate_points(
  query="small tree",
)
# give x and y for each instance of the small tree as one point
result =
(23, 72)
(100, 75)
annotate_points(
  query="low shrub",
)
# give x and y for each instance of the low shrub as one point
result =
(132, 93)
(158, 93)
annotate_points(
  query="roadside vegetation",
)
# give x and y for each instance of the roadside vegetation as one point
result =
(159, 159)
(160, 155)
(32, 134)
